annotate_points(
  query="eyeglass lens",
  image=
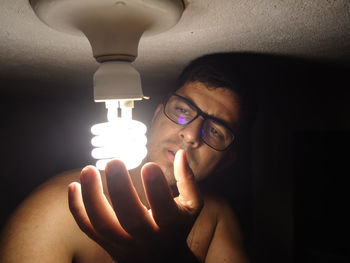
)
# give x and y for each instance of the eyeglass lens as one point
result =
(182, 112)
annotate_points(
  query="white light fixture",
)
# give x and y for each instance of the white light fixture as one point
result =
(114, 29)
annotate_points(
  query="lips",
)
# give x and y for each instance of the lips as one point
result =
(170, 154)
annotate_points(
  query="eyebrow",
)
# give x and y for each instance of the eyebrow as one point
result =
(212, 117)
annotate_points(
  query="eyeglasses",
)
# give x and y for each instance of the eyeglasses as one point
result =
(214, 132)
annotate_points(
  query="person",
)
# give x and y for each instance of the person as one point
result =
(156, 212)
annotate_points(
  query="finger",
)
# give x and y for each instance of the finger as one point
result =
(97, 207)
(189, 195)
(132, 214)
(164, 208)
(76, 206)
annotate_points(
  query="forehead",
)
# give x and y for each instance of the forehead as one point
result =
(219, 102)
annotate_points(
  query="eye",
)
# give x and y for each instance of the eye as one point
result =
(215, 131)
(180, 110)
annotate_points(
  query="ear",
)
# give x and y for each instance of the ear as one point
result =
(157, 111)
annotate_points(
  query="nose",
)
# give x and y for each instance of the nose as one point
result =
(190, 133)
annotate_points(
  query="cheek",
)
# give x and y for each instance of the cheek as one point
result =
(208, 163)
(156, 128)
(161, 131)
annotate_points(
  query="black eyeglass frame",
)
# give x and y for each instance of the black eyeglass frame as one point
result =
(202, 114)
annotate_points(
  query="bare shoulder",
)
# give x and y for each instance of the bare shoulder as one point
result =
(42, 228)
(216, 204)
(226, 217)
(215, 226)
(215, 209)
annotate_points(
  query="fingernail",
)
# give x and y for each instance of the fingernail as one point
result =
(184, 158)
(71, 188)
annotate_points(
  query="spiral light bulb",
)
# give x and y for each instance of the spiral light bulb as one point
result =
(120, 138)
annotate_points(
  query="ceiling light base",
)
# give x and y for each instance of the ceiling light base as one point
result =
(113, 28)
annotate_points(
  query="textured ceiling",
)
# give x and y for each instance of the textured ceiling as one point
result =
(40, 56)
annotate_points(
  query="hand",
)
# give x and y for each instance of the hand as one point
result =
(127, 230)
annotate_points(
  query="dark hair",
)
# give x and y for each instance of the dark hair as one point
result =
(215, 70)
(223, 70)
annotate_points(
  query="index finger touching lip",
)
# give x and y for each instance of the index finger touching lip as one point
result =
(182, 171)
(189, 194)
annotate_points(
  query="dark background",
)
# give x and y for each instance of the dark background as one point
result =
(290, 191)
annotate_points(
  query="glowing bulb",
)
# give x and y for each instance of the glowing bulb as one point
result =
(120, 137)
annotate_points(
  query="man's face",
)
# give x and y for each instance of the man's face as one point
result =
(166, 137)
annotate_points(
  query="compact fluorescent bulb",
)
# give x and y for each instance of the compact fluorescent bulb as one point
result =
(121, 138)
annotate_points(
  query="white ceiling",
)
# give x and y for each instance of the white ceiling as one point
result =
(33, 52)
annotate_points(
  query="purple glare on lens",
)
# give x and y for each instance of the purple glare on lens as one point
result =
(181, 120)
